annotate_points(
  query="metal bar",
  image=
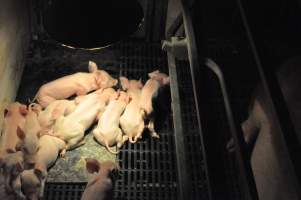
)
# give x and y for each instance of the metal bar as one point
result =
(279, 108)
(196, 82)
(184, 180)
(175, 26)
(240, 147)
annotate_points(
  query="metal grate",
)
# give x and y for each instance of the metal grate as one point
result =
(148, 167)
(64, 191)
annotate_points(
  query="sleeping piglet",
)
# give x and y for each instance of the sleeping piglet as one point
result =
(107, 132)
(101, 185)
(71, 128)
(149, 92)
(79, 83)
(14, 116)
(53, 111)
(33, 180)
(29, 136)
(131, 121)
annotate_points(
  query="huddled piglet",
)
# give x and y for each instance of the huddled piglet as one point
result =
(101, 185)
(53, 111)
(107, 132)
(79, 83)
(14, 117)
(132, 121)
(149, 92)
(71, 128)
(33, 180)
(29, 136)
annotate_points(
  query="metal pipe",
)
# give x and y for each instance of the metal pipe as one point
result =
(240, 147)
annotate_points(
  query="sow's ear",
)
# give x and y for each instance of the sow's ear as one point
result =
(20, 133)
(92, 165)
(92, 67)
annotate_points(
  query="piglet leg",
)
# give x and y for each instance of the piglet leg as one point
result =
(16, 184)
(151, 128)
(42, 188)
(121, 139)
(72, 144)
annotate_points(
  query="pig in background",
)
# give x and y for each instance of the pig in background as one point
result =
(76, 84)
(107, 132)
(100, 187)
(132, 121)
(268, 160)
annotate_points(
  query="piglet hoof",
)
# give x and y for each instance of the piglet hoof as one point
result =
(155, 135)
(62, 154)
(230, 146)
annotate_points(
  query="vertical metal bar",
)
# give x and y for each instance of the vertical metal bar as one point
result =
(183, 180)
(195, 70)
(279, 110)
(240, 150)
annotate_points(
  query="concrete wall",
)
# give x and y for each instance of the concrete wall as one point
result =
(14, 37)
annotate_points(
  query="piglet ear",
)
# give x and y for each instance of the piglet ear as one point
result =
(92, 67)
(20, 133)
(23, 110)
(152, 74)
(92, 165)
(124, 82)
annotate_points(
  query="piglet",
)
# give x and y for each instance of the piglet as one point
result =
(101, 185)
(33, 180)
(79, 83)
(131, 121)
(71, 128)
(13, 165)
(29, 136)
(14, 116)
(149, 92)
(107, 131)
(53, 111)
(151, 88)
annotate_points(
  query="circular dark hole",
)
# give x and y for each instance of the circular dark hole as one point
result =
(91, 23)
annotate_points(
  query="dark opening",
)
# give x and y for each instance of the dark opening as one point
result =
(91, 23)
